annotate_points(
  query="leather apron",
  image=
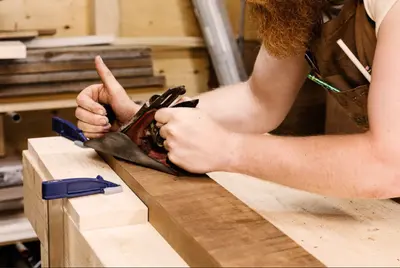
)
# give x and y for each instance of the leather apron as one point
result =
(355, 28)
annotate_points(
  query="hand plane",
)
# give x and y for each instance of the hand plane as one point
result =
(139, 141)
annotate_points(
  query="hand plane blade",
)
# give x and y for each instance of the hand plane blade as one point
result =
(121, 146)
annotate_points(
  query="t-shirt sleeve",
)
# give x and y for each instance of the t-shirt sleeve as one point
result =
(378, 9)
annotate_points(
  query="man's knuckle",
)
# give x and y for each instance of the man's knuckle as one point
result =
(172, 158)
(77, 113)
(171, 145)
(80, 99)
(80, 125)
(97, 119)
(170, 130)
(85, 127)
(166, 145)
(93, 135)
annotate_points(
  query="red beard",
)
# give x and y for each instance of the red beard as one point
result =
(287, 26)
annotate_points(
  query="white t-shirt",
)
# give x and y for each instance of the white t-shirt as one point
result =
(376, 10)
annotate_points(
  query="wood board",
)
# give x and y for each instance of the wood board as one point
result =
(81, 53)
(61, 66)
(207, 225)
(15, 227)
(74, 231)
(7, 35)
(70, 76)
(89, 40)
(68, 87)
(135, 71)
(10, 50)
(339, 232)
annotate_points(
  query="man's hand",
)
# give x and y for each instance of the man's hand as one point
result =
(194, 141)
(91, 114)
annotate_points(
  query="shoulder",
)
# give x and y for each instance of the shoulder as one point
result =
(378, 9)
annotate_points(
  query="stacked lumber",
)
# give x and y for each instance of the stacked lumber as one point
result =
(12, 42)
(11, 194)
(71, 69)
(24, 35)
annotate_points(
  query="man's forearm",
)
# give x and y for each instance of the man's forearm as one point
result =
(341, 166)
(260, 104)
(236, 108)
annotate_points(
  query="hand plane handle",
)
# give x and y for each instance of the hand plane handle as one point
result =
(155, 131)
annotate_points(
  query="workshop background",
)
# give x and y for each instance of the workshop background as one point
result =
(47, 50)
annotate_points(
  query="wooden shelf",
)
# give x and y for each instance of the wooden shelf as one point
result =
(15, 227)
(61, 101)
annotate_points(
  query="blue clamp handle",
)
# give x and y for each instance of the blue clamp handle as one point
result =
(74, 187)
(67, 129)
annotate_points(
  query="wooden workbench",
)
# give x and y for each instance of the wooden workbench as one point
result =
(116, 230)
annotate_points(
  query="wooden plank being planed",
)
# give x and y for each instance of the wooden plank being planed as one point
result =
(17, 79)
(207, 225)
(77, 86)
(47, 67)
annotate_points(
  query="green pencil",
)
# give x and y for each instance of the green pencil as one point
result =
(322, 83)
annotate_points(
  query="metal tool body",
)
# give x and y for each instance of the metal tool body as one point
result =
(139, 140)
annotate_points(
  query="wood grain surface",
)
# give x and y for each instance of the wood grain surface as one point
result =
(43, 67)
(206, 224)
(69, 76)
(81, 53)
(88, 231)
(77, 86)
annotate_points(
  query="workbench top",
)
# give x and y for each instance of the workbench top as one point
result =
(114, 230)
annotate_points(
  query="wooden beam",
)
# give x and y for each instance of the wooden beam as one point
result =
(90, 213)
(76, 86)
(89, 231)
(338, 232)
(51, 159)
(206, 224)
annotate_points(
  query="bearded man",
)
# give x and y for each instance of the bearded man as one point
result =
(225, 132)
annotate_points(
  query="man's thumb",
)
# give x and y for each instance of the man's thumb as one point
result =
(107, 77)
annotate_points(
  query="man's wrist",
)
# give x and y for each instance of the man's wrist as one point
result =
(234, 152)
(135, 107)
